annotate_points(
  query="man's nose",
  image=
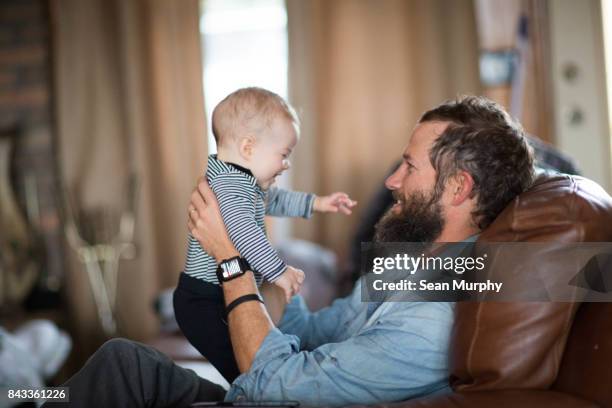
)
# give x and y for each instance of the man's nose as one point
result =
(393, 182)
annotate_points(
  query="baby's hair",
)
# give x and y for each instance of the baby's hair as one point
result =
(249, 109)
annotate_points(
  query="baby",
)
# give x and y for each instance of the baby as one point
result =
(255, 131)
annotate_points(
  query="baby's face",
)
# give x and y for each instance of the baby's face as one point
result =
(271, 152)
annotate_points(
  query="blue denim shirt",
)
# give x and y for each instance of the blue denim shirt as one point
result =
(351, 352)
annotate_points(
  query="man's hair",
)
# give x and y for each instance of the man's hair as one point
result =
(483, 140)
(249, 109)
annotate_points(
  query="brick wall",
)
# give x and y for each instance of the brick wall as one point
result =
(26, 105)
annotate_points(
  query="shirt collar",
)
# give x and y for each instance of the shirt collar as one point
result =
(242, 169)
(234, 165)
(216, 166)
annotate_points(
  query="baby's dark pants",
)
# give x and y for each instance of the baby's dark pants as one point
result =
(200, 312)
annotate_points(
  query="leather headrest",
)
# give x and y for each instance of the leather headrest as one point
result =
(556, 208)
(519, 345)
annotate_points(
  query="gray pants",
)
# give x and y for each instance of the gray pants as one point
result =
(123, 373)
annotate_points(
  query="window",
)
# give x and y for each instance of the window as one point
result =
(244, 44)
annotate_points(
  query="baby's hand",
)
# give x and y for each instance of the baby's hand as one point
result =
(334, 202)
(290, 281)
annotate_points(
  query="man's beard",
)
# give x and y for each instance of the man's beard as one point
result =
(420, 220)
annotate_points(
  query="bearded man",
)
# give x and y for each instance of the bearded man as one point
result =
(464, 162)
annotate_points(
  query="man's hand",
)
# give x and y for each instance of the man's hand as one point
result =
(206, 224)
(333, 203)
(290, 281)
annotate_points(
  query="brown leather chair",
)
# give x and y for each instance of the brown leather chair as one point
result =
(536, 354)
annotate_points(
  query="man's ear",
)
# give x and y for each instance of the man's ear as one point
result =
(462, 187)
(245, 147)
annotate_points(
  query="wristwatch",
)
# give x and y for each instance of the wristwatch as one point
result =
(232, 268)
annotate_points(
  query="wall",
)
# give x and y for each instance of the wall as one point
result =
(578, 74)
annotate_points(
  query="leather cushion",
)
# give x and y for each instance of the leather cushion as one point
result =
(585, 368)
(520, 345)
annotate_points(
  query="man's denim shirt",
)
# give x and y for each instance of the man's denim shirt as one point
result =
(351, 352)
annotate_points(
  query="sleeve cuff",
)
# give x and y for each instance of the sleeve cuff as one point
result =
(310, 198)
(273, 276)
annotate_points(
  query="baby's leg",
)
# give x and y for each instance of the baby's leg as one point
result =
(200, 313)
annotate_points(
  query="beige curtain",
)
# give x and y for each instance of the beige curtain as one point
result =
(361, 72)
(128, 80)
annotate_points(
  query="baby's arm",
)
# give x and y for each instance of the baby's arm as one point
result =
(335, 202)
(235, 197)
(287, 203)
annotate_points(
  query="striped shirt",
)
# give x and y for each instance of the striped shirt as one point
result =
(243, 206)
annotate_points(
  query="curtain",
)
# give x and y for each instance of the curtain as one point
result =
(128, 82)
(361, 72)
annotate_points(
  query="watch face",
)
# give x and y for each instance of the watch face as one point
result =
(230, 268)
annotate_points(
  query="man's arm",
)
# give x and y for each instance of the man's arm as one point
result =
(313, 328)
(400, 356)
(327, 325)
(274, 298)
(249, 323)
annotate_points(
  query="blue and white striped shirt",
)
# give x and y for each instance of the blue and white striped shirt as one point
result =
(243, 206)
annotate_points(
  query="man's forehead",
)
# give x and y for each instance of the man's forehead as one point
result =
(423, 136)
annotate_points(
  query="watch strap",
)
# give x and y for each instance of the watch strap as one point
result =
(242, 299)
